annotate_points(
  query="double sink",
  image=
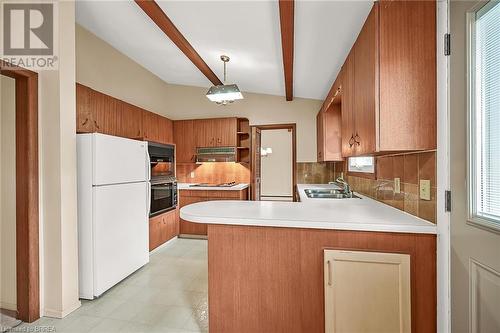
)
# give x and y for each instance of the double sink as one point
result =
(329, 194)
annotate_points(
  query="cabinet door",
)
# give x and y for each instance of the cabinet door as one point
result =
(150, 126)
(106, 117)
(171, 225)
(347, 73)
(358, 282)
(320, 143)
(191, 228)
(332, 136)
(366, 85)
(131, 121)
(226, 132)
(155, 232)
(185, 140)
(84, 116)
(205, 132)
(165, 130)
(407, 68)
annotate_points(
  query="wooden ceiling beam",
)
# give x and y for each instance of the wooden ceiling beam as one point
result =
(161, 19)
(287, 25)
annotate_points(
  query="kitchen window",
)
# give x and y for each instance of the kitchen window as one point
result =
(484, 115)
(363, 164)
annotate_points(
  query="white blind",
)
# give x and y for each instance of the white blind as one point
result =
(487, 112)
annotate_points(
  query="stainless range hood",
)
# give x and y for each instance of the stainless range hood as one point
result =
(215, 154)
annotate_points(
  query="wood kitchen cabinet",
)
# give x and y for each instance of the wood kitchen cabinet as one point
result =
(216, 132)
(389, 81)
(162, 228)
(363, 281)
(329, 137)
(187, 197)
(131, 121)
(84, 109)
(98, 112)
(185, 140)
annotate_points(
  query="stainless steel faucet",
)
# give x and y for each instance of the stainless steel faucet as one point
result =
(345, 185)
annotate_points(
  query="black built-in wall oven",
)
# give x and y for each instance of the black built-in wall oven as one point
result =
(163, 182)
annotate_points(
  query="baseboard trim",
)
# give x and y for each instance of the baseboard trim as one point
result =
(8, 306)
(188, 236)
(170, 241)
(61, 314)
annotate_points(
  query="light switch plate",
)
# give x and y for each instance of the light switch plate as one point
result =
(397, 185)
(425, 189)
(192, 174)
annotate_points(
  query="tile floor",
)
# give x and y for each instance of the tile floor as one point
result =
(167, 295)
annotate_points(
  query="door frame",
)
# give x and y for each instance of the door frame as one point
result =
(293, 128)
(27, 192)
(443, 172)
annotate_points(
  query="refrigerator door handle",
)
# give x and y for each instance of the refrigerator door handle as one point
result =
(149, 198)
(148, 164)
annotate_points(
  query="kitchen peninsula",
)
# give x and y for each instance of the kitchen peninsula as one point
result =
(268, 270)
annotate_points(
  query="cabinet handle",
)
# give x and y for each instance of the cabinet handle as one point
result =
(96, 126)
(329, 272)
(357, 141)
(351, 141)
(85, 122)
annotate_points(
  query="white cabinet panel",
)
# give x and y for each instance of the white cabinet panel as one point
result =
(367, 292)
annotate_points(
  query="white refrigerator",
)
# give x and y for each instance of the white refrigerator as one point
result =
(113, 210)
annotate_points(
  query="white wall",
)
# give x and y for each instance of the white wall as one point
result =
(8, 297)
(57, 159)
(276, 168)
(105, 69)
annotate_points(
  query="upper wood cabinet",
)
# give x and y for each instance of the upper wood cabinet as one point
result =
(329, 136)
(98, 112)
(131, 121)
(84, 109)
(185, 140)
(389, 81)
(217, 132)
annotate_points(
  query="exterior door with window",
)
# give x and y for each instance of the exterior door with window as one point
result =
(475, 166)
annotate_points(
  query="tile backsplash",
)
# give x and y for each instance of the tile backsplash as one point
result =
(409, 168)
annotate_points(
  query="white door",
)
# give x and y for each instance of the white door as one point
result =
(119, 160)
(121, 233)
(475, 176)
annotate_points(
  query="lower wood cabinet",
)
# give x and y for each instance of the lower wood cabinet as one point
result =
(357, 283)
(163, 228)
(188, 197)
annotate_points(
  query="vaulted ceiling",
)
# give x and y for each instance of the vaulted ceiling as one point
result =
(247, 31)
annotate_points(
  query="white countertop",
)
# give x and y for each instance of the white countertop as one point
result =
(186, 186)
(363, 214)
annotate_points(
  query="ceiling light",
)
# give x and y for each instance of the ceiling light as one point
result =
(224, 93)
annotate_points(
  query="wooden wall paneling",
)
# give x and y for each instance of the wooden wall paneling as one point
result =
(130, 121)
(84, 114)
(287, 8)
(264, 279)
(27, 192)
(185, 140)
(407, 69)
(347, 74)
(366, 85)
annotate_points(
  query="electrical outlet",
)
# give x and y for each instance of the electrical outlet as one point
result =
(192, 174)
(397, 185)
(425, 189)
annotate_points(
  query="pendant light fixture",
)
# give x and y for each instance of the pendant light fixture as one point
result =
(224, 93)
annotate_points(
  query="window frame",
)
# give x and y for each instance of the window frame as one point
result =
(369, 175)
(473, 218)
